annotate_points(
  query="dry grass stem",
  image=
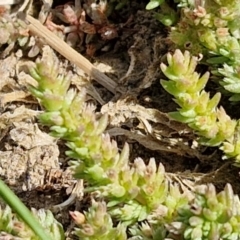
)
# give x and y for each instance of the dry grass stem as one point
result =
(73, 56)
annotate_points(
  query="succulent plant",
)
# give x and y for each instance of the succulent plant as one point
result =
(49, 223)
(75, 121)
(12, 225)
(140, 192)
(96, 224)
(138, 189)
(200, 112)
(139, 196)
(211, 28)
(209, 215)
(231, 81)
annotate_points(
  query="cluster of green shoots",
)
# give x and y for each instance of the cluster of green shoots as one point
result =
(208, 29)
(211, 28)
(137, 200)
(133, 200)
(197, 108)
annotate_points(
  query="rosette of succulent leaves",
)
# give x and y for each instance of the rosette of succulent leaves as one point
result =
(197, 109)
(140, 202)
(13, 227)
(211, 28)
(208, 29)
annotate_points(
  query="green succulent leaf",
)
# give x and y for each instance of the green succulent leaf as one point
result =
(179, 117)
(153, 4)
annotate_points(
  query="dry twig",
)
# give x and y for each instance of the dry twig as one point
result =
(73, 56)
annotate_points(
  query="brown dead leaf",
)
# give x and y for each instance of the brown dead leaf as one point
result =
(24, 166)
(7, 70)
(156, 131)
(13, 96)
(10, 90)
(126, 109)
(28, 135)
(20, 113)
(178, 146)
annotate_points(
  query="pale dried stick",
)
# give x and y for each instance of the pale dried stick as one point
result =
(73, 56)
